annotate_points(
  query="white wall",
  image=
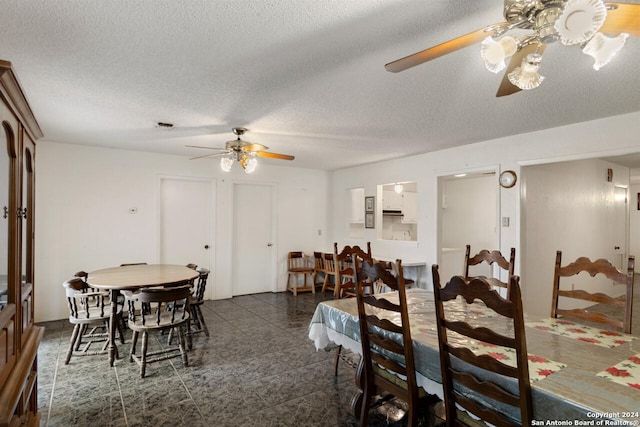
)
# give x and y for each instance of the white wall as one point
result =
(611, 136)
(569, 206)
(83, 196)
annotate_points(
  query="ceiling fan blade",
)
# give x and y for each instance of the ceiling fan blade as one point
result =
(274, 155)
(254, 147)
(443, 48)
(209, 155)
(506, 88)
(624, 18)
(207, 148)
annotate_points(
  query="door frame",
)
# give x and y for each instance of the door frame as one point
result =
(209, 293)
(441, 177)
(273, 285)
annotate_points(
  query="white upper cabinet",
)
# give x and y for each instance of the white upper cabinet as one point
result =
(409, 208)
(391, 200)
(356, 205)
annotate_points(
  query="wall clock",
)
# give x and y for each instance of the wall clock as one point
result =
(508, 179)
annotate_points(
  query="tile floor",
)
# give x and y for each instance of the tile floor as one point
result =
(258, 368)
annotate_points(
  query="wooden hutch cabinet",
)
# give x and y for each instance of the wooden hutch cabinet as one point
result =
(19, 337)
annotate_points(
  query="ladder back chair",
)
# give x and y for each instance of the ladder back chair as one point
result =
(329, 273)
(490, 258)
(345, 268)
(318, 267)
(153, 309)
(481, 384)
(345, 285)
(298, 264)
(387, 348)
(87, 308)
(608, 310)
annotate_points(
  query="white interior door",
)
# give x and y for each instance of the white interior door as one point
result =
(620, 229)
(187, 221)
(253, 250)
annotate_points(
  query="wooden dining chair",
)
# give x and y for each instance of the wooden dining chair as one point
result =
(391, 267)
(345, 285)
(490, 258)
(385, 335)
(345, 268)
(87, 309)
(197, 323)
(121, 323)
(329, 283)
(298, 264)
(602, 308)
(318, 268)
(168, 310)
(478, 383)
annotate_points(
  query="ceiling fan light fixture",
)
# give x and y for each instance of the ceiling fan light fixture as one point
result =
(603, 48)
(226, 163)
(495, 52)
(526, 76)
(248, 162)
(580, 20)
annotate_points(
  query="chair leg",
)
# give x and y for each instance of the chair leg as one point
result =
(203, 324)
(324, 282)
(121, 327)
(336, 361)
(183, 353)
(134, 342)
(143, 358)
(72, 342)
(366, 402)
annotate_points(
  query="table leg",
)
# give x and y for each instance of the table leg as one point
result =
(113, 349)
(356, 400)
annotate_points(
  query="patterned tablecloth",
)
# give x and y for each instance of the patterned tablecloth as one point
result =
(577, 373)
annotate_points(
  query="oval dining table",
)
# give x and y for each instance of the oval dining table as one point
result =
(132, 277)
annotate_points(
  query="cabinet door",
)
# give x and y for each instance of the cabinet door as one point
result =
(9, 294)
(391, 200)
(27, 193)
(410, 208)
(356, 214)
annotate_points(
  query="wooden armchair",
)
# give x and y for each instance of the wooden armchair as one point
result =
(387, 349)
(298, 264)
(476, 383)
(197, 299)
(620, 310)
(490, 258)
(158, 309)
(87, 308)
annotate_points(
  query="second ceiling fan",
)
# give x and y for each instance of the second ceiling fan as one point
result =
(572, 22)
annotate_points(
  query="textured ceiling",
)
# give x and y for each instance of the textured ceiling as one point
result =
(306, 77)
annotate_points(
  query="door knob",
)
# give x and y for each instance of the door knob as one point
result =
(206, 246)
(616, 247)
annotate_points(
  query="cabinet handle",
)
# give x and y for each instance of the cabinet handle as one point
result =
(22, 213)
(6, 212)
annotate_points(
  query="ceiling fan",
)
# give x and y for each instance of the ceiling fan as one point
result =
(572, 22)
(243, 152)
